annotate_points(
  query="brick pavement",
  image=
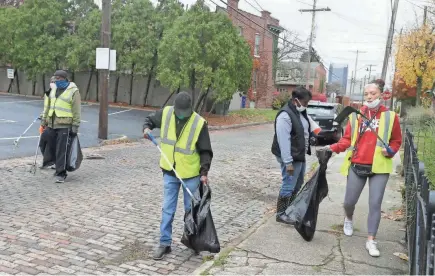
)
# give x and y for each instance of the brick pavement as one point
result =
(105, 218)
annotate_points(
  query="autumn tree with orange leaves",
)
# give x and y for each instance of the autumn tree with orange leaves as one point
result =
(415, 59)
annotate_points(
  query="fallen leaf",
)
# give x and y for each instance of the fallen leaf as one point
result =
(402, 256)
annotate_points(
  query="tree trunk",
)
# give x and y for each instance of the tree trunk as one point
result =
(212, 107)
(91, 73)
(204, 103)
(150, 76)
(33, 87)
(115, 95)
(131, 83)
(193, 84)
(98, 82)
(73, 76)
(419, 87)
(201, 99)
(10, 85)
(43, 83)
(167, 99)
(18, 82)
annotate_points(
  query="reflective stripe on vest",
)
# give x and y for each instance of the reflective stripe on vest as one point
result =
(62, 105)
(381, 164)
(168, 141)
(181, 152)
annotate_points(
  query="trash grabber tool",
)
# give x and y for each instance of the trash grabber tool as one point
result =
(27, 129)
(169, 163)
(349, 110)
(33, 169)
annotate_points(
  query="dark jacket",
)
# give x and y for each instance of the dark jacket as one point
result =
(203, 145)
(297, 139)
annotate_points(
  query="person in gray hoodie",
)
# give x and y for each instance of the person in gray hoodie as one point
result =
(291, 143)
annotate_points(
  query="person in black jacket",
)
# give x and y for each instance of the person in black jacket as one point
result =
(291, 143)
(189, 150)
(48, 158)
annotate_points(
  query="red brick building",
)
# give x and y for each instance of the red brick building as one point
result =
(261, 32)
(293, 74)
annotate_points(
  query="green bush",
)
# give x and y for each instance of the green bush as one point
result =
(280, 101)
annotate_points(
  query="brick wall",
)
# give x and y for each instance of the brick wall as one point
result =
(320, 75)
(264, 59)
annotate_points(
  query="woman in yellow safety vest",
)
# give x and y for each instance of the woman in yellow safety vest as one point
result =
(368, 158)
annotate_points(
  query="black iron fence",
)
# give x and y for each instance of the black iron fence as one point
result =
(420, 212)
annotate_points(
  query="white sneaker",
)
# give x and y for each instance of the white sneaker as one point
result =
(372, 248)
(348, 227)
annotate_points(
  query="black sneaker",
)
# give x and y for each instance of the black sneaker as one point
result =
(161, 251)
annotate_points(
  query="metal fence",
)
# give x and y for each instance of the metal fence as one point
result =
(420, 212)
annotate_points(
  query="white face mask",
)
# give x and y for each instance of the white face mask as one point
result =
(372, 104)
(52, 85)
(300, 108)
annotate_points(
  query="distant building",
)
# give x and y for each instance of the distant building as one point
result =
(338, 74)
(292, 74)
(261, 33)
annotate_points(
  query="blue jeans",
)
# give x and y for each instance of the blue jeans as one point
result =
(170, 199)
(292, 183)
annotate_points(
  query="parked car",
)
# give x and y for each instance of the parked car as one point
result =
(324, 114)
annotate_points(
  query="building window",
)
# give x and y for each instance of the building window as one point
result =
(257, 45)
(283, 90)
(254, 81)
(240, 31)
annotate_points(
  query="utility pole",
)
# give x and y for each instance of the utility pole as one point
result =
(395, 70)
(104, 74)
(356, 65)
(425, 15)
(370, 70)
(389, 40)
(313, 22)
(362, 91)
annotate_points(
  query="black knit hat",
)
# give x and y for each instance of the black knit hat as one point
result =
(61, 73)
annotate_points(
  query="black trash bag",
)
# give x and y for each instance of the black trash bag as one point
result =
(305, 207)
(75, 155)
(199, 230)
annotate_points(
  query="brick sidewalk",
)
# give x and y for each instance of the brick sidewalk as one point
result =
(105, 218)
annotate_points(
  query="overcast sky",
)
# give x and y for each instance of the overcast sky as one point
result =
(350, 25)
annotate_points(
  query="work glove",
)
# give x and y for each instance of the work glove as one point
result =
(313, 141)
(146, 133)
(289, 169)
(41, 129)
(388, 152)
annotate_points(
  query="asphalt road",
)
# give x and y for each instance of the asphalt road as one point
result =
(17, 113)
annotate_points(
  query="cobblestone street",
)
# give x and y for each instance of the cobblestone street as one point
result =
(105, 218)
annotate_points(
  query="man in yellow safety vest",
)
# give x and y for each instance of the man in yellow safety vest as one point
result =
(62, 117)
(185, 141)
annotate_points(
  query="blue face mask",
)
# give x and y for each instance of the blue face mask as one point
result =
(62, 84)
(180, 117)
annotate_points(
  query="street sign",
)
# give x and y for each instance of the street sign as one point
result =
(105, 59)
(10, 73)
(387, 95)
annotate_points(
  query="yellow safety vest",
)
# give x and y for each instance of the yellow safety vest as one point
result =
(62, 105)
(182, 152)
(381, 164)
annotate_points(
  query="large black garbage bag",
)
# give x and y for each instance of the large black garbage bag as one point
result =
(199, 230)
(75, 155)
(304, 209)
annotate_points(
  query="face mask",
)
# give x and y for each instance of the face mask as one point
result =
(180, 117)
(62, 84)
(300, 108)
(52, 85)
(372, 104)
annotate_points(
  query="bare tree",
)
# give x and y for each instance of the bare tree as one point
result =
(290, 46)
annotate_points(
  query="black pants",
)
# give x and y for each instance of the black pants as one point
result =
(56, 148)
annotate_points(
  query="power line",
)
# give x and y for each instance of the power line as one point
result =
(304, 3)
(258, 4)
(420, 7)
(249, 3)
(263, 28)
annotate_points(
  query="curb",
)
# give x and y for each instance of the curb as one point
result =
(109, 142)
(232, 245)
(21, 95)
(238, 240)
(238, 125)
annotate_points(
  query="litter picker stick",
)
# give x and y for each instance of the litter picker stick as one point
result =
(349, 110)
(27, 129)
(169, 163)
